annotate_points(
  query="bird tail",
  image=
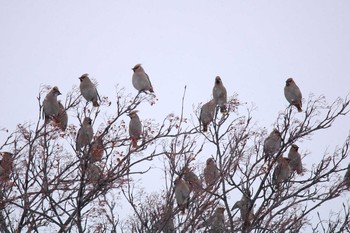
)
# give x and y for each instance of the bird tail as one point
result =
(133, 142)
(95, 103)
(299, 108)
(223, 109)
(205, 128)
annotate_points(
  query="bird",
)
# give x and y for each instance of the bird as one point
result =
(94, 173)
(282, 171)
(61, 119)
(295, 159)
(192, 179)
(140, 79)
(220, 95)
(182, 194)
(88, 90)
(293, 94)
(96, 150)
(85, 134)
(272, 144)
(135, 128)
(6, 164)
(218, 221)
(207, 114)
(211, 173)
(347, 177)
(245, 207)
(50, 104)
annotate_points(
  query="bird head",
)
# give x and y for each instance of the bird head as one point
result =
(133, 113)
(289, 81)
(210, 161)
(295, 147)
(84, 76)
(56, 91)
(217, 80)
(136, 67)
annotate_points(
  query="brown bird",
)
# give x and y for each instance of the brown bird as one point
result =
(293, 94)
(61, 119)
(50, 104)
(135, 128)
(282, 171)
(211, 174)
(245, 207)
(6, 164)
(192, 179)
(347, 177)
(96, 150)
(272, 144)
(182, 194)
(218, 221)
(140, 79)
(85, 134)
(220, 94)
(295, 159)
(207, 114)
(94, 173)
(88, 90)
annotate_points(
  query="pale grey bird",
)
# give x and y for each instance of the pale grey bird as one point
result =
(295, 159)
(135, 128)
(192, 179)
(88, 90)
(50, 104)
(85, 134)
(182, 194)
(245, 207)
(272, 144)
(207, 114)
(220, 94)
(347, 177)
(218, 221)
(293, 94)
(140, 79)
(282, 171)
(211, 174)
(61, 119)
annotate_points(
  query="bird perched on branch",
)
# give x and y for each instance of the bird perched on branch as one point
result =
(347, 177)
(50, 105)
(272, 144)
(96, 150)
(282, 171)
(140, 79)
(218, 221)
(245, 207)
(135, 128)
(88, 90)
(182, 194)
(85, 134)
(295, 159)
(207, 114)
(61, 119)
(220, 95)
(6, 164)
(293, 94)
(211, 173)
(192, 179)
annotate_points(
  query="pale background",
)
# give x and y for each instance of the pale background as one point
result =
(253, 45)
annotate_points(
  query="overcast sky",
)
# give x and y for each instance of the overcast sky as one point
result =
(253, 45)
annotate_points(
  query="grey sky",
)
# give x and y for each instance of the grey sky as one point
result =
(253, 45)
